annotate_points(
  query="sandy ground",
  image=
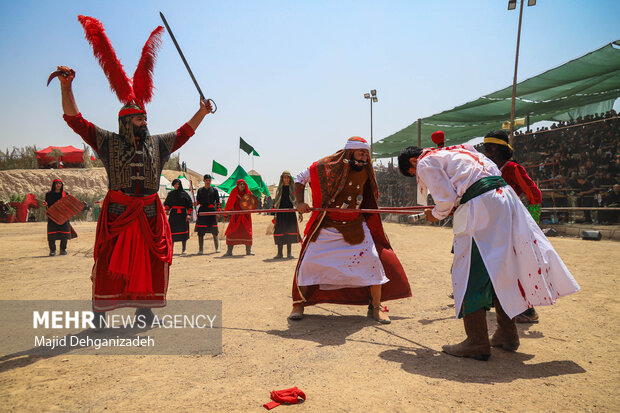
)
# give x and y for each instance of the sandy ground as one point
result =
(570, 361)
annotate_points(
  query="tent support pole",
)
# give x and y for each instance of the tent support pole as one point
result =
(514, 80)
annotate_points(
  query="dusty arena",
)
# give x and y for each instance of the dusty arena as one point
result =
(343, 361)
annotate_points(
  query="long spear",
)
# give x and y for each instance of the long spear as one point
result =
(400, 211)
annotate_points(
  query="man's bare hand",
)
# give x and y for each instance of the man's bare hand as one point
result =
(303, 208)
(205, 106)
(428, 214)
(301, 218)
(66, 78)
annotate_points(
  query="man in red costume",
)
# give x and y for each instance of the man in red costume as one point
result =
(239, 231)
(133, 245)
(345, 257)
(497, 148)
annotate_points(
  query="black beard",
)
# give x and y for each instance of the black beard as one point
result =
(140, 131)
(357, 165)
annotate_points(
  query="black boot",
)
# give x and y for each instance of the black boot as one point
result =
(248, 250)
(52, 245)
(216, 242)
(63, 247)
(201, 244)
(184, 244)
(145, 315)
(228, 251)
(289, 255)
(279, 256)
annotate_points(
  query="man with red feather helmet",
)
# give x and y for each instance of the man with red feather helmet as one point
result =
(345, 257)
(133, 246)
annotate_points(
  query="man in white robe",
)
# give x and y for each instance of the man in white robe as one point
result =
(501, 257)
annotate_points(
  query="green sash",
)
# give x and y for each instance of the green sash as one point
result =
(481, 186)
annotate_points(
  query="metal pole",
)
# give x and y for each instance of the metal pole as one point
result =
(419, 132)
(514, 80)
(371, 140)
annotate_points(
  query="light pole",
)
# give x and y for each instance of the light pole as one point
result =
(372, 96)
(512, 4)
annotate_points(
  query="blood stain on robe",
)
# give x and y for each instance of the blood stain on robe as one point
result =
(521, 289)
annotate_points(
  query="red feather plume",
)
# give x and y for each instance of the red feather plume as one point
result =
(143, 76)
(104, 52)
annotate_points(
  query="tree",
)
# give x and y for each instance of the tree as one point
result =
(56, 153)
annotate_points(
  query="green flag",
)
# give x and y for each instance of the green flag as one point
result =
(245, 147)
(254, 153)
(219, 169)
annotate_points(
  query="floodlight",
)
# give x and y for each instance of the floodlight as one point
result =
(512, 4)
(531, 2)
(373, 92)
(367, 95)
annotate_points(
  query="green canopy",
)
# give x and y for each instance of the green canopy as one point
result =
(240, 173)
(587, 85)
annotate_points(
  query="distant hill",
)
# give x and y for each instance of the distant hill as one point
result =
(91, 181)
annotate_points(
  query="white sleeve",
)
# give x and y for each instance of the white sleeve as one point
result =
(303, 178)
(438, 183)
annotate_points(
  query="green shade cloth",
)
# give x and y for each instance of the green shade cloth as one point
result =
(240, 173)
(219, 169)
(587, 85)
(479, 293)
(481, 186)
(245, 147)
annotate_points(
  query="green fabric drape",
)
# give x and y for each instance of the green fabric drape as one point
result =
(586, 85)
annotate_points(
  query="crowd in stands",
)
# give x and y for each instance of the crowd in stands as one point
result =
(575, 164)
(395, 190)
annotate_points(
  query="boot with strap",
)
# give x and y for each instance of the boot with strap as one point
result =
(506, 336)
(476, 345)
(201, 244)
(216, 243)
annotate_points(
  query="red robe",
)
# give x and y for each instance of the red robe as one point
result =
(516, 176)
(132, 254)
(239, 231)
(398, 286)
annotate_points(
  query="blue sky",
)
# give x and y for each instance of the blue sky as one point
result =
(288, 76)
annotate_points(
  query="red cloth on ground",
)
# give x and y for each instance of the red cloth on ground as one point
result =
(132, 254)
(398, 287)
(239, 231)
(516, 176)
(289, 396)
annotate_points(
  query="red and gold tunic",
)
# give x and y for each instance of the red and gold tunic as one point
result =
(133, 245)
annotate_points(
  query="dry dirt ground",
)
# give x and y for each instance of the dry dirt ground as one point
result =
(570, 361)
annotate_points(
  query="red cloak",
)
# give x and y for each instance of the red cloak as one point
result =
(327, 178)
(239, 231)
